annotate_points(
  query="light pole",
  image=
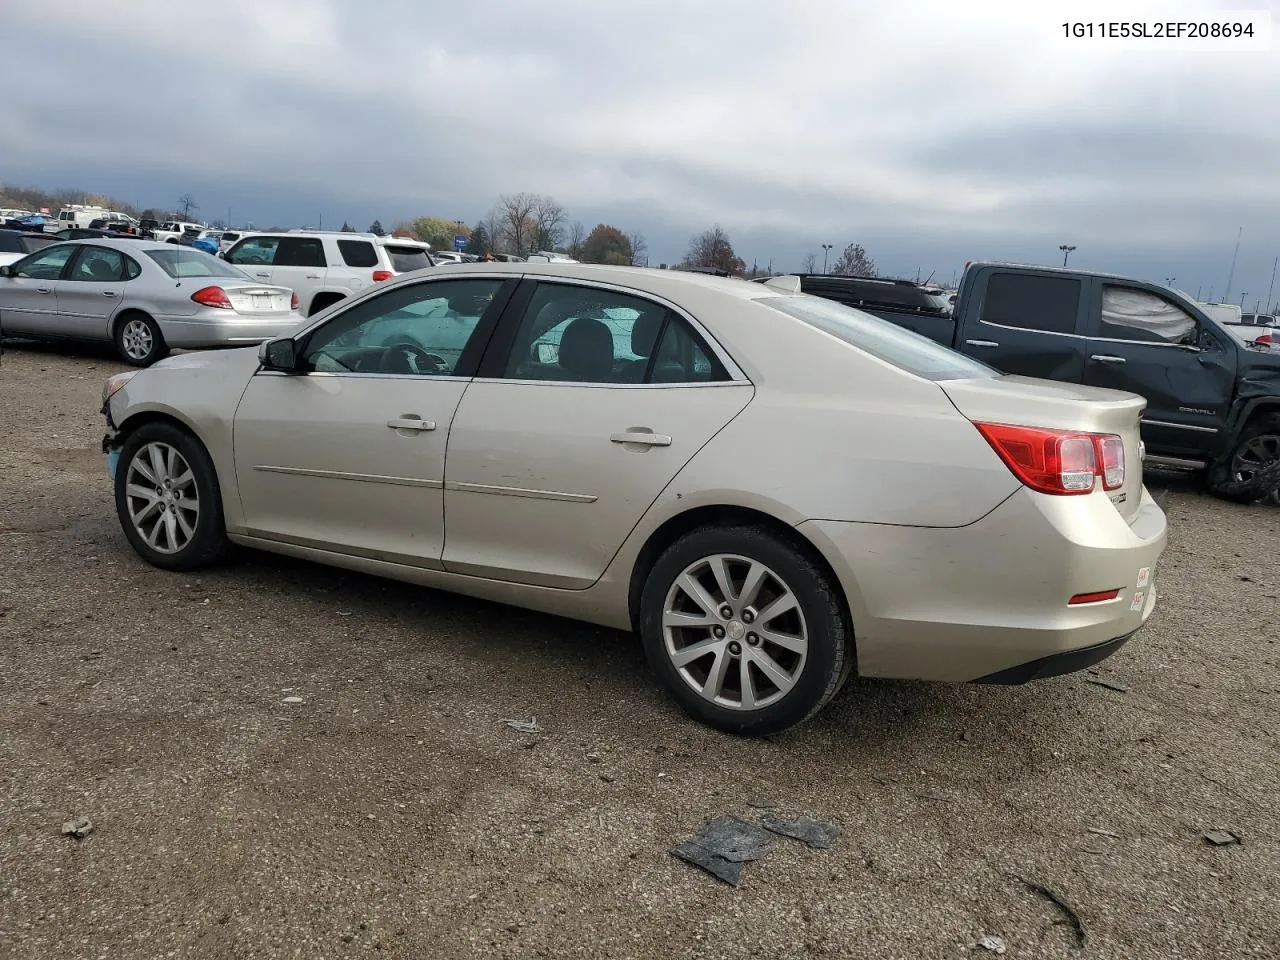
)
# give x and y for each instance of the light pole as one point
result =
(1242, 296)
(826, 248)
(1066, 252)
(1273, 283)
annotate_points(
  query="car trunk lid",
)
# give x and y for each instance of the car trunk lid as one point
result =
(1052, 405)
(257, 300)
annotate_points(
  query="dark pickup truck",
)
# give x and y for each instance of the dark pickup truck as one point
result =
(1213, 403)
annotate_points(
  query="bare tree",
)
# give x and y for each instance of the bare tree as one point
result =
(712, 249)
(810, 264)
(577, 234)
(187, 203)
(639, 249)
(854, 262)
(518, 224)
(549, 220)
(493, 228)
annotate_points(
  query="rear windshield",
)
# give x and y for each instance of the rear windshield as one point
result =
(404, 259)
(10, 242)
(880, 338)
(190, 262)
(32, 244)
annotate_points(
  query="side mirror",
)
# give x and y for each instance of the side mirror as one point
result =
(6, 271)
(280, 355)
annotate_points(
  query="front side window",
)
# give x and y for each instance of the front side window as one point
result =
(254, 252)
(418, 330)
(1030, 302)
(45, 265)
(98, 265)
(887, 341)
(573, 334)
(1132, 314)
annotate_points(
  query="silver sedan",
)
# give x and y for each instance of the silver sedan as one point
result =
(774, 490)
(146, 297)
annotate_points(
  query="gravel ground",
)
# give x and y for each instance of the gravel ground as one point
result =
(392, 811)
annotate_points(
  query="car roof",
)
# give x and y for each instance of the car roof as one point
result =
(120, 243)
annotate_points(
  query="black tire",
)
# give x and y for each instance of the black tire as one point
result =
(126, 341)
(1241, 481)
(830, 654)
(208, 541)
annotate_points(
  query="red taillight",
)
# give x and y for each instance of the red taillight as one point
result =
(1057, 461)
(380, 275)
(1100, 597)
(212, 297)
(293, 302)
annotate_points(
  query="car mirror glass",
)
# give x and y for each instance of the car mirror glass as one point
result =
(279, 355)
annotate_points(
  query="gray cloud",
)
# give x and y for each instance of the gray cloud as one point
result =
(932, 133)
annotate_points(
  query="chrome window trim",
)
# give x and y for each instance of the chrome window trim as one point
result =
(1179, 426)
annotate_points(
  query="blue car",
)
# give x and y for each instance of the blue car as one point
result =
(208, 242)
(35, 223)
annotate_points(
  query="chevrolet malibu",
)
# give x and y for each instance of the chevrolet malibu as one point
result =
(774, 490)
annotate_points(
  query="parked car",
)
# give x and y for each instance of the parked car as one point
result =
(114, 226)
(16, 244)
(208, 241)
(147, 228)
(172, 231)
(227, 240)
(146, 296)
(77, 233)
(1213, 403)
(1258, 319)
(33, 223)
(775, 490)
(324, 267)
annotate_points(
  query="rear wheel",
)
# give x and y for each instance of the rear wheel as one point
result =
(139, 340)
(746, 632)
(167, 498)
(1251, 471)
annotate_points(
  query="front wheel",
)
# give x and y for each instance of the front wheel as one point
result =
(1251, 472)
(746, 632)
(167, 498)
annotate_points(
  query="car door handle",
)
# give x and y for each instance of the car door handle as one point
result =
(265, 276)
(313, 276)
(981, 343)
(411, 423)
(43, 290)
(108, 293)
(1106, 358)
(647, 437)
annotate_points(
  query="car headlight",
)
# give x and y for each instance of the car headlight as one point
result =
(116, 383)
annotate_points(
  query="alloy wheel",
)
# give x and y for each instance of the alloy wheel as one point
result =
(163, 502)
(137, 339)
(735, 632)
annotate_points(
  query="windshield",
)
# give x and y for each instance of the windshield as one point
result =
(906, 350)
(189, 262)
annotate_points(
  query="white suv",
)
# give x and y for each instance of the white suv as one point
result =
(323, 267)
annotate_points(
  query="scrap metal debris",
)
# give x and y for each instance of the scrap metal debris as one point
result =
(994, 944)
(1119, 688)
(722, 846)
(815, 833)
(524, 726)
(79, 828)
(1222, 838)
(1072, 917)
(1103, 833)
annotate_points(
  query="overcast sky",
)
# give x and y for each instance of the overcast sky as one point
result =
(932, 132)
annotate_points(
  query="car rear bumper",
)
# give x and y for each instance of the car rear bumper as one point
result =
(991, 600)
(211, 327)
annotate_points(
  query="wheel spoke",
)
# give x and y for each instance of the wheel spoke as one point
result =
(751, 585)
(153, 537)
(777, 608)
(142, 468)
(170, 529)
(185, 525)
(720, 570)
(157, 462)
(771, 669)
(784, 640)
(693, 590)
(170, 462)
(747, 683)
(696, 651)
(151, 508)
(184, 480)
(137, 490)
(715, 679)
(677, 618)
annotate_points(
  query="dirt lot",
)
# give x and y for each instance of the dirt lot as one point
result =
(392, 810)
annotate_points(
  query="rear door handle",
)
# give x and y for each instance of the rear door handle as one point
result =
(43, 290)
(1106, 358)
(108, 293)
(311, 276)
(265, 276)
(411, 423)
(647, 437)
(982, 343)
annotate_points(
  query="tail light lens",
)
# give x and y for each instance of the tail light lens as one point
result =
(294, 303)
(212, 297)
(380, 275)
(1057, 461)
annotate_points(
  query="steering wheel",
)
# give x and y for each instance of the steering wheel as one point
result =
(414, 357)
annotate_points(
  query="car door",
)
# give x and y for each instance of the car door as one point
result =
(1146, 342)
(300, 266)
(591, 400)
(1027, 322)
(255, 256)
(348, 454)
(29, 295)
(90, 292)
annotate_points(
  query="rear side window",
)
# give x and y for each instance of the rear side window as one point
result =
(888, 342)
(11, 243)
(358, 253)
(300, 252)
(1132, 314)
(98, 265)
(32, 244)
(404, 259)
(181, 262)
(1050, 304)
